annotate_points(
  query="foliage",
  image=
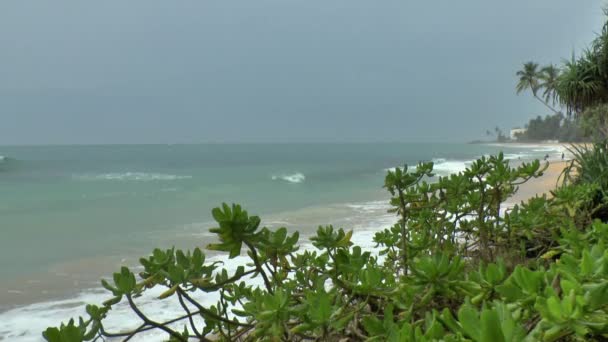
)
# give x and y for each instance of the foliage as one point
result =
(552, 127)
(589, 164)
(535, 80)
(589, 170)
(580, 85)
(583, 83)
(500, 135)
(594, 121)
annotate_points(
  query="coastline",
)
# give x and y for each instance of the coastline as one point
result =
(539, 186)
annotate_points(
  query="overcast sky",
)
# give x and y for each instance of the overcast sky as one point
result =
(275, 70)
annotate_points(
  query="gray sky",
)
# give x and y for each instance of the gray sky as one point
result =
(144, 71)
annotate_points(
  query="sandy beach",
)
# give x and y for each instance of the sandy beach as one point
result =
(542, 185)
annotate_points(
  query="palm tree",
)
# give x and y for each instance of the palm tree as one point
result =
(549, 76)
(579, 86)
(500, 136)
(529, 78)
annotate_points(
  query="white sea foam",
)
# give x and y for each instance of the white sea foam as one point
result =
(517, 156)
(446, 167)
(443, 167)
(131, 176)
(291, 178)
(372, 206)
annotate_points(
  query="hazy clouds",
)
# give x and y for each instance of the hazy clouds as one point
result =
(275, 70)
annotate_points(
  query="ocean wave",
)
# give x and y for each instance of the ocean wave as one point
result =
(446, 167)
(372, 206)
(522, 155)
(291, 178)
(131, 176)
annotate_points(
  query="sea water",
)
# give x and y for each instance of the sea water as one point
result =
(72, 214)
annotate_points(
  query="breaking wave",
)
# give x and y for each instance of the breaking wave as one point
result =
(131, 176)
(443, 166)
(292, 178)
(446, 167)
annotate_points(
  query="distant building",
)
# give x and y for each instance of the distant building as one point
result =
(517, 131)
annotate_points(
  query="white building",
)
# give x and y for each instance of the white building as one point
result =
(516, 131)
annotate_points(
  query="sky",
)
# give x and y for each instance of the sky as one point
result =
(148, 71)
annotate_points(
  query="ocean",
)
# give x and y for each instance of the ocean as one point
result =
(70, 215)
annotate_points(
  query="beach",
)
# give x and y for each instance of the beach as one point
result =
(542, 185)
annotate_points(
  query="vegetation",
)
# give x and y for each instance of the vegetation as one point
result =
(580, 86)
(553, 127)
(500, 135)
(589, 164)
(535, 80)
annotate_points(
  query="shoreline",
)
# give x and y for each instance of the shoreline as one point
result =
(539, 186)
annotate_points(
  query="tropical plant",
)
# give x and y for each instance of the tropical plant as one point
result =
(589, 164)
(580, 86)
(500, 135)
(583, 83)
(594, 121)
(533, 79)
(549, 76)
(528, 78)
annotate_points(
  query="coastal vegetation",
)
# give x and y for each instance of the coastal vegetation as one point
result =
(553, 127)
(538, 80)
(578, 88)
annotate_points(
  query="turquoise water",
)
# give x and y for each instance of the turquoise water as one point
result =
(66, 210)
(64, 202)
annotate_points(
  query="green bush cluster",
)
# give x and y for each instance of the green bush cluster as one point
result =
(456, 266)
(554, 127)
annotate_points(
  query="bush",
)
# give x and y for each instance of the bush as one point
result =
(590, 166)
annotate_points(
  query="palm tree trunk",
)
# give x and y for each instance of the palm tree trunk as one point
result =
(546, 104)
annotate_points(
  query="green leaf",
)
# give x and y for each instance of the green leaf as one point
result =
(491, 329)
(597, 295)
(587, 264)
(469, 321)
(373, 325)
(170, 292)
(319, 307)
(345, 241)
